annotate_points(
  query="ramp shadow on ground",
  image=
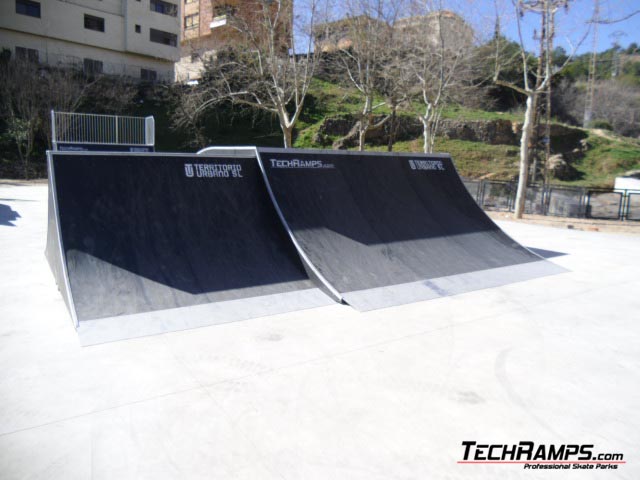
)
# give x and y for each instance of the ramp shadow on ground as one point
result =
(8, 215)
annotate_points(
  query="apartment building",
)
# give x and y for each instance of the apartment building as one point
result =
(210, 25)
(440, 26)
(205, 29)
(137, 38)
(434, 27)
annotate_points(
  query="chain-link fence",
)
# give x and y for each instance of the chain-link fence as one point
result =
(558, 200)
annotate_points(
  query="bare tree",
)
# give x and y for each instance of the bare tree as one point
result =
(269, 64)
(367, 35)
(394, 81)
(21, 99)
(110, 94)
(440, 44)
(612, 20)
(186, 101)
(617, 103)
(62, 89)
(546, 9)
(596, 20)
(30, 91)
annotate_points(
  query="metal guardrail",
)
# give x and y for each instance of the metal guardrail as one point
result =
(605, 205)
(632, 211)
(91, 128)
(132, 71)
(558, 200)
(562, 201)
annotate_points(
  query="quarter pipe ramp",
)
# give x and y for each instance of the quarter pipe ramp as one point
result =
(145, 243)
(386, 229)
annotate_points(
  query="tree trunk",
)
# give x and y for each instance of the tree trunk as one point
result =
(24, 157)
(365, 121)
(392, 130)
(535, 136)
(428, 134)
(527, 127)
(547, 134)
(361, 137)
(534, 165)
(30, 142)
(286, 135)
(432, 136)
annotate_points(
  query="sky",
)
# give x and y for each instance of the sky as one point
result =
(573, 32)
(571, 25)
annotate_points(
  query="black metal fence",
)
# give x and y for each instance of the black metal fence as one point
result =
(558, 200)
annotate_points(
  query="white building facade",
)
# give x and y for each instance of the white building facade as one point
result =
(136, 38)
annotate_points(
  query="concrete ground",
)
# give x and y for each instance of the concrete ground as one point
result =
(328, 393)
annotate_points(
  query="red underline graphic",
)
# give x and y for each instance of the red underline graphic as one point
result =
(551, 462)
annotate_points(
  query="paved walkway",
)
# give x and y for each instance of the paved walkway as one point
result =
(629, 227)
(328, 393)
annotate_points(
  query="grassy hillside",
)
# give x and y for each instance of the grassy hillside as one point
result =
(606, 157)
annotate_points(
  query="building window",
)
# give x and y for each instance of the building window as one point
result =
(192, 21)
(27, 54)
(93, 23)
(138, 29)
(166, 38)
(27, 7)
(92, 67)
(163, 7)
(148, 75)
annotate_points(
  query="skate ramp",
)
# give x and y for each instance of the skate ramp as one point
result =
(150, 242)
(386, 229)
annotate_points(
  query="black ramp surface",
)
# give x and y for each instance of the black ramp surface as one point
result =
(385, 229)
(147, 232)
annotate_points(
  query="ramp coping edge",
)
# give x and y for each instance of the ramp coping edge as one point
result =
(63, 256)
(301, 252)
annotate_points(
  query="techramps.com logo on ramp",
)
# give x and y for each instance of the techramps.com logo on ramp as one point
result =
(296, 163)
(426, 165)
(212, 170)
(541, 456)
